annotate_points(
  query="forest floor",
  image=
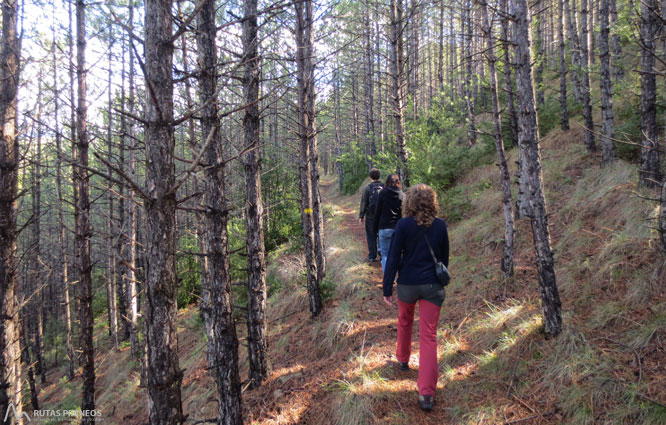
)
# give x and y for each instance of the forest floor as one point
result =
(607, 367)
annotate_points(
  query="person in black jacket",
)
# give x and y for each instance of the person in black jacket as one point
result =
(410, 257)
(367, 212)
(389, 211)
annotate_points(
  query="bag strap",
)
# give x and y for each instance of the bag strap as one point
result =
(430, 248)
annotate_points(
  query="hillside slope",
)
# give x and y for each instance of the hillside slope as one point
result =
(607, 366)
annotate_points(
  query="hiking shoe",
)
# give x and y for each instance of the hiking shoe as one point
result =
(426, 402)
(403, 365)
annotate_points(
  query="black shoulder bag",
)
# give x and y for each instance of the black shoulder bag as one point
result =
(440, 269)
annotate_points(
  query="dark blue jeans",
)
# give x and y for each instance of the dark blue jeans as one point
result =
(371, 236)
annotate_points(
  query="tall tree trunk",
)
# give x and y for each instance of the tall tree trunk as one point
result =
(585, 58)
(564, 111)
(36, 303)
(650, 170)
(469, 96)
(254, 205)
(122, 286)
(539, 53)
(505, 177)
(111, 260)
(83, 230)
(305, 64)
(370, 147)
(10, 360)
(164, 374)
(508, 80)
(338, 139)
(575, 49)
(397, 98)
(607, 132)
(440, 52)
(216, 300)
(62, 236)
(528, 140)
(131, 224)
(30, 367)
(616, 47)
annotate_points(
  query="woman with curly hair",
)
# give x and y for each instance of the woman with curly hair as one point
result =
(410, 257)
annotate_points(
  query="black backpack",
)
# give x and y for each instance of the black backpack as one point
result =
(374, 196)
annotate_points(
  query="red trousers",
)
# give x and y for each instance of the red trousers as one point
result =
(429, 316)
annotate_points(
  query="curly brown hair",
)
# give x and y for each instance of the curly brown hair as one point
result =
(421, 204)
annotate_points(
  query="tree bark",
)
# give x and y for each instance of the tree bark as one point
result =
(607, 132)
(508, 80)
(397, 96)
(254, 205)
(10, 360)
(575, 49)
(564, 111)
(505, 177)
(62, 236)
(111, 260)
(305, 76)
(616, 47)
(164, 373)
(585, 92)
(649, 173)
(539, 59)
(83, 230)
(370, 146)
(469, 97)
(528, 140)
(132, 216)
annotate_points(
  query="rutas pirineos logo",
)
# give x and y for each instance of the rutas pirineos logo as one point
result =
(17, 416)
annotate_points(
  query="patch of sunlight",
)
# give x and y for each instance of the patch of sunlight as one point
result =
(454, 344)
(488, 357)
(497, 316)
(530, 325)
(278, 373)
(334, 250)
(449, 372)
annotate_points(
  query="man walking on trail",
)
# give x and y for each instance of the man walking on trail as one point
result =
(368, 207)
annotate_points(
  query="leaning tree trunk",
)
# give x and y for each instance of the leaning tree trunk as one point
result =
(649, 173)
(254, 205)
(505, 177)
(585, 59)
(528, 140)
(10, 360)
(83, 230)
(564, 111)
(305, 64)
(607, 133)
(164, 373)
(396, 71)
